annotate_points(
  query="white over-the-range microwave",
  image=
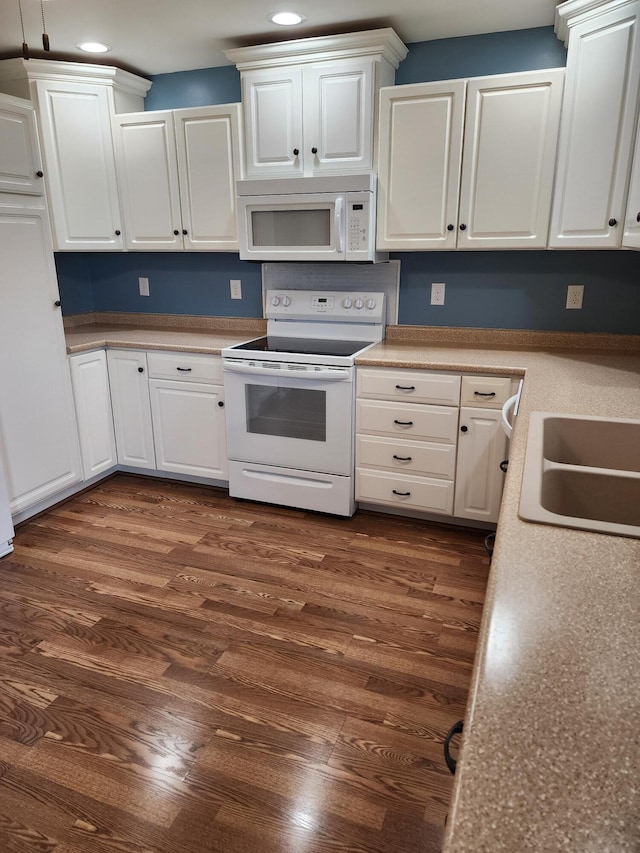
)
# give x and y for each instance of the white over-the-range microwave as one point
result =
(329, 218)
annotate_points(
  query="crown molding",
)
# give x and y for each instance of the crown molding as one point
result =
(574, 12)
(74, 72)
(384, 43)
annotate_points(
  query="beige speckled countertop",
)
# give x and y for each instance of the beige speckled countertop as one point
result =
(551, 752)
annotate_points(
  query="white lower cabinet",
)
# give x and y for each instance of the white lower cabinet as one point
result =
(131, 408)
(90, 381)
(431, 455)
(481, 448)
(168, 412)
(187, 409)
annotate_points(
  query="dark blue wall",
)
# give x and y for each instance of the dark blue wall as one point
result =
(522, 290)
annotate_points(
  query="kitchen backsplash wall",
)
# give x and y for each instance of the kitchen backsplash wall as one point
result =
(523, 290)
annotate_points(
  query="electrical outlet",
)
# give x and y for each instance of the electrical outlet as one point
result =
(235, 286)
(143, 284)
(575, 292)
(437, 293)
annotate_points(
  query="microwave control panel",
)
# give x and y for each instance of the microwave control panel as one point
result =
(359, 221)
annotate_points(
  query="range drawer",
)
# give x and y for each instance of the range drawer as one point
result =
(416, 386)
(433, 423)
(422, 493)
(411, 457)
(489, 392)
(191, 368)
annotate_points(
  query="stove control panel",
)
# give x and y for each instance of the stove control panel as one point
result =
(314, 305)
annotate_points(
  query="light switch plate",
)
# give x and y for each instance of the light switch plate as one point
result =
(143, 284)
(235, 286)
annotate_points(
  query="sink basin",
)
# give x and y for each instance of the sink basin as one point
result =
(583, 472)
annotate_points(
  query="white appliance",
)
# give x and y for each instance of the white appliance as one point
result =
(6, 525)
(289, 399)
(330, 218)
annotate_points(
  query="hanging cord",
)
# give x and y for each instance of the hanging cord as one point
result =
(25, 46)
(45, 37)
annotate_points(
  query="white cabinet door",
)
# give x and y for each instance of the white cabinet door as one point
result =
(338, 103)
(146, 157)
(596, 131)
(131, 408)
(479, 480)
(208, 149)
(272, 101)
(37, 421)
(631, 237)
(189, 428)
(79, 165)
(20, 166)
(510, 140)
(420, 150)
(90, 380)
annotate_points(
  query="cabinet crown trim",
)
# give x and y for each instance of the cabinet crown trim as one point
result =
(573, 12)
(382, 42)
(74, 72)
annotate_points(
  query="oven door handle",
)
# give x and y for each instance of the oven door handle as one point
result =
(335, 374)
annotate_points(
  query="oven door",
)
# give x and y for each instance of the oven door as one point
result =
(294, 416)
(305, 227)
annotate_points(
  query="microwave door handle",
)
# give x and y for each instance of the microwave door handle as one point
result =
(336, 374)
(340, 224)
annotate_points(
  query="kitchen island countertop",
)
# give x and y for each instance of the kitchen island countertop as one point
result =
(551, 753)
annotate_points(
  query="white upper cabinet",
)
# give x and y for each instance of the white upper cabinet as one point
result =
(631, 236)
(468, 164)
(508, 160)
(146, 157)
(272, 101)
(419, 165)
(177, 172)
(74, 104)
(310, 104)
(78, 155)
(598, 122)
(20, 166)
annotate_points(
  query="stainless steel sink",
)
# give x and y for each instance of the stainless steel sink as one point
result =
(583, 472)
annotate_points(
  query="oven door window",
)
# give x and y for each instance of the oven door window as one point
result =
(286, 412)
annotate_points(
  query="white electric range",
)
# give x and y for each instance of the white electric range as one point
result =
(290, 399)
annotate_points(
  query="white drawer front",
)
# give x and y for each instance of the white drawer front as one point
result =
(488, 392)
(191, 368)
(434, 423)
(420, 493)
(412, 457)
(416, 386)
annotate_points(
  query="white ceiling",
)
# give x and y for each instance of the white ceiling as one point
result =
(156, 36)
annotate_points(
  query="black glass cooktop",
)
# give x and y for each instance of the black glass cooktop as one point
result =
(306, 346)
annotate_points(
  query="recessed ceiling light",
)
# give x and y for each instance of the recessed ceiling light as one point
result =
(286, 19)
(94, 47)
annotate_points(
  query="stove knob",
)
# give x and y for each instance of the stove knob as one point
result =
(275, 300)
(371, 304)
(347, 302)
(359, 303)
(286, 301)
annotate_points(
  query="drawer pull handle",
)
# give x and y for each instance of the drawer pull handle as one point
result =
(504, 465)
(484, 393)
(406, 387)
(403, 423)
(184, 369)
(403, 458)
(401, 494)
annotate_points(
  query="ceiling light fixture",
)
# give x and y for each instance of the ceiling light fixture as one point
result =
(93, 47)
(286, 19)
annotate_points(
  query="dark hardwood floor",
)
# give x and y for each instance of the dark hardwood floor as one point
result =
(184, 673)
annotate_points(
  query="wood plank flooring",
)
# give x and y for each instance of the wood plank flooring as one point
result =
(184, 673)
